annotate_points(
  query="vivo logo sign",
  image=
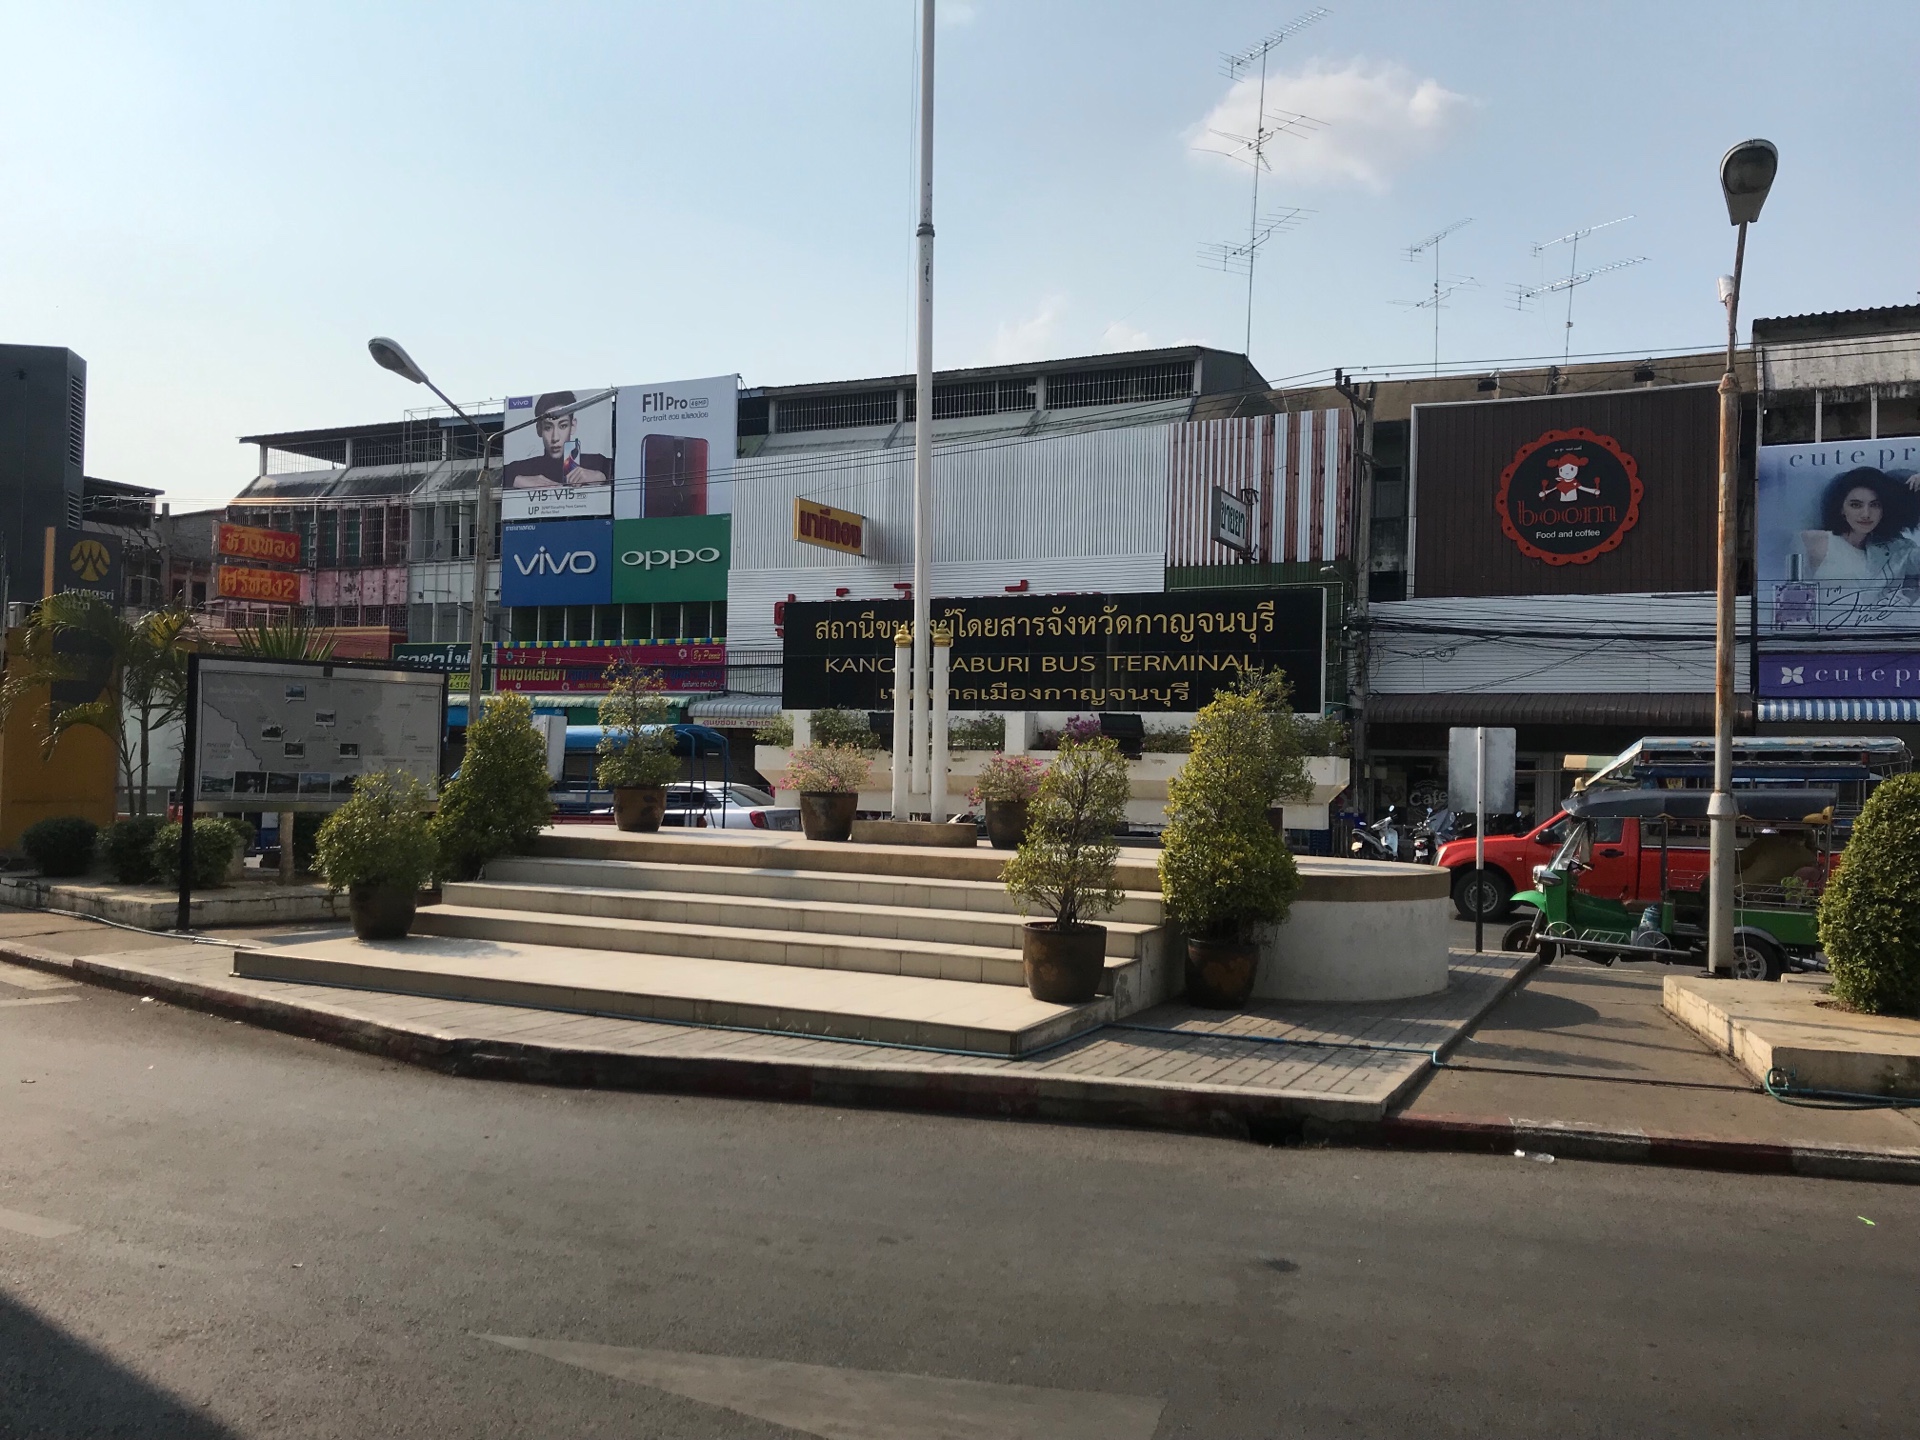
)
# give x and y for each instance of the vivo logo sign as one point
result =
(544, 562)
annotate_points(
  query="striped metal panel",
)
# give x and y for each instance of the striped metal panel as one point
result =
(1299, 465)
(1899, 712)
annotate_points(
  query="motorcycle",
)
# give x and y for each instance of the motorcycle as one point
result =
(1378, 841)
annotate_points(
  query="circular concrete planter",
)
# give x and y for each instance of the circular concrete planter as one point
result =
(828, 814)
(381, 912)
(639, 807)
(1063, 966)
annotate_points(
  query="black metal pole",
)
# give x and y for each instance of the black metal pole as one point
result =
(189, 782)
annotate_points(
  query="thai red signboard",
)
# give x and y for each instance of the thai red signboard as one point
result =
(275, 587)
(582, 669)
(246, 542)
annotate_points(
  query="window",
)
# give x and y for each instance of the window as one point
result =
(350, 537)
(329, 538)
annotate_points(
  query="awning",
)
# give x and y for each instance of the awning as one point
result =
(734, 710)
(1660, 711)
(1900, 712)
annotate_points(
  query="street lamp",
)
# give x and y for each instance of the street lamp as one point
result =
(1746, 175)
(390, 355)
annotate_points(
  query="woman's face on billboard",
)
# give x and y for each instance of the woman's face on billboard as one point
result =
(1861, 510)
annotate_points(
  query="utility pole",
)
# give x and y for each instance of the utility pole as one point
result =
(923, 431)
(1361, 403)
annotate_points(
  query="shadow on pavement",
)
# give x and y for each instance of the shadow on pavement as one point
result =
(54, 1384)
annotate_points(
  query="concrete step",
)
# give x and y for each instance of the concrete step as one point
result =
(809, 915)
(1126, 977)
(892, 1009)
(688, 874)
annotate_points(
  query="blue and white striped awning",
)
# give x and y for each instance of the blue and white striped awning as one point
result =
(1900, 712)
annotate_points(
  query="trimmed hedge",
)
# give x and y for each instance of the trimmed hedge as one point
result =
(62, 847)
(1870, 914)
(127, 847)
(215, 843)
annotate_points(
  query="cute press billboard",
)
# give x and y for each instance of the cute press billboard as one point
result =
(677, 440)
(1837, 536)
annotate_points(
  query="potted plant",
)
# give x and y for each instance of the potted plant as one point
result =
(378, 849)
(1066, 864)
(828, 778)
(636, 746)
(1006, 786)
(1223, 868)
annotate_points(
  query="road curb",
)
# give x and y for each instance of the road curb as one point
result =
(1501, 1135)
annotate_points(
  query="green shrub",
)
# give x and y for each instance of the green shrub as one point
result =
(1223, 869)
(1870, 915)
(1325, 735)
(1166, 740)
(127, 848)
(637, 734)
(62, 847)
(846, 727)
(982, 732)
(826, 770)
(380, 836)
(498, 802)
(777, 732)
(215, 843)
(1066, 859)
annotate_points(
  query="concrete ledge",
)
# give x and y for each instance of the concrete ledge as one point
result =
(1763, 1028)
(916, 832)
(152, 907)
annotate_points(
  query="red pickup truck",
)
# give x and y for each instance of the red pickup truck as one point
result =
(1622, 868)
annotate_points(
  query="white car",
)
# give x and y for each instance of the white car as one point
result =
(698, 805)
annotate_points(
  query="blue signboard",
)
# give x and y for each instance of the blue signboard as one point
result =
(1877, 675)
(556, 562)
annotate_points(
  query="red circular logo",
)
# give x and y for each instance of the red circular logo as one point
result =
(1569, 496)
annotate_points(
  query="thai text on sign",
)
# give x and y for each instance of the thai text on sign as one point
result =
(275, 587)
(830, 529)
(247, 542)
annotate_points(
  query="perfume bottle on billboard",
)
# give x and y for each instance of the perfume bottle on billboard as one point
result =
(673, 474)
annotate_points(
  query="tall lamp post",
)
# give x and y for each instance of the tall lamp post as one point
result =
(1746, 175)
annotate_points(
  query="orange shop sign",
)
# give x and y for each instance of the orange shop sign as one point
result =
(246, 542)
(275, 587)
(830, 529)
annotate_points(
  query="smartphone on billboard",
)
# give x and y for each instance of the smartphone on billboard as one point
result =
(673, 472)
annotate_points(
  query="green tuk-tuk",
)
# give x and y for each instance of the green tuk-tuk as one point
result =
(1786, 854)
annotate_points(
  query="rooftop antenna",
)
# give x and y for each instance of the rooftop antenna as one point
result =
(1236, 257)
(1252, 150)
(1575, 277)
(1414, 252)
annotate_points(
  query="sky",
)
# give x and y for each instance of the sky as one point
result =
(216, 205)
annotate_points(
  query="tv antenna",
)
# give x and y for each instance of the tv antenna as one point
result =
(1574, 278)
(1438, 297)
(1251, 150)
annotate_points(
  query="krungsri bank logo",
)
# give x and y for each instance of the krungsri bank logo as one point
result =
(90, 560)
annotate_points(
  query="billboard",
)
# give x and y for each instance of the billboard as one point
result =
(582, 669)
(249, 542)
(1837, 675)
(1595, 494)
(274, 587)
(85, 561)
(556, 562)
(560, 466)
(677, 558)
(1153, 652)
(1837, 536)
(830, 529)
(677, 441)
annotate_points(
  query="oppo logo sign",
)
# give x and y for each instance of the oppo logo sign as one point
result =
(670, 559)
(544, 562)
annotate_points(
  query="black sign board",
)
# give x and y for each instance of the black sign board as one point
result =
(1155, 652)
(85, 561)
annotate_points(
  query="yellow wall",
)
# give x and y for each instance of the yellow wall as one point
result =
(78, 777)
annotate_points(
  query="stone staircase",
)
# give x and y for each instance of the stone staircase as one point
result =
(891, 944)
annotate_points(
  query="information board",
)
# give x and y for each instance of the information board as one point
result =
(1155, 652)
(286, 735)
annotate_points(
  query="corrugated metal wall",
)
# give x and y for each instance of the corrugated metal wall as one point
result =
(1299, 465)
(1560, 644)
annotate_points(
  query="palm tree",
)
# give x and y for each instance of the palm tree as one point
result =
(105, 672)
(284, 639)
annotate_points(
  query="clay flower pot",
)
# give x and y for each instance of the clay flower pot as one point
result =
(1063, 966)
(828, 814)
(1006, 823)
(381, 912)
(639, 807)
(1220, 973)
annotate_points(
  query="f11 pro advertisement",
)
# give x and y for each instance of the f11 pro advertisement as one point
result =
(676, 447)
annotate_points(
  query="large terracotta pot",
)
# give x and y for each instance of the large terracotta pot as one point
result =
(639, 807)
(1063, 966)
(381, 912)
(828, 814)
(1006, 823)
(1220, 973)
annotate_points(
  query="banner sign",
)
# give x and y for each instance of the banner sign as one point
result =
(1837, 536)
(557, 502)
(556, 562)
(672, 559)
(1829, 675)
(271, 735)
(247, 542)
(1569, 496)
(1155, 652)
(830, 529)
(581, 669)
(1232, 521)
(275, 587)
(85, 561)
(677, 441)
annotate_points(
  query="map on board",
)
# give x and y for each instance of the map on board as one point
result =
(296, 737)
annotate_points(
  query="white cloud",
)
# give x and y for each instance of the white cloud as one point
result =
(954, 13)
(1378, 119)
(1015, 341)
(1119, 335)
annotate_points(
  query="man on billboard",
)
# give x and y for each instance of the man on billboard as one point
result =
(561, 460)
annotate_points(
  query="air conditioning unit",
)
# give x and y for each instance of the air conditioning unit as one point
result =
(17, 612)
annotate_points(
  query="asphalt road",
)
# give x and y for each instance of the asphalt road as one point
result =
(275, 1238)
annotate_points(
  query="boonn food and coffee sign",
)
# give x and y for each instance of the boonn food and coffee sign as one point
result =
(1569, 496)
